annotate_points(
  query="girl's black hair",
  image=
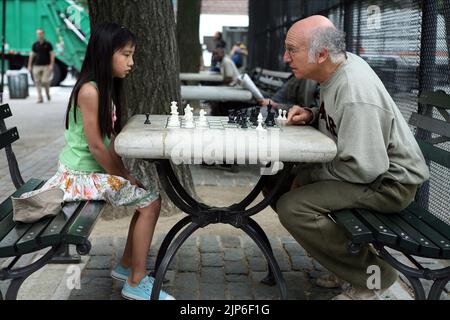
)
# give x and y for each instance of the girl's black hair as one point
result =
(105, 40)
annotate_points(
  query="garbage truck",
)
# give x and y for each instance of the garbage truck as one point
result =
(66, 26)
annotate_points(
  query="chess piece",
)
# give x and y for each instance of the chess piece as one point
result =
(280, 115)
(147, 120)
(188, 112)
(270, 120)
(173, 120)
(254, 116)
(173, 107)
(188, 117)
(244, 122)
(284, 115)
(260, 121)
(202, 119)
(231, 116)
(269, 107)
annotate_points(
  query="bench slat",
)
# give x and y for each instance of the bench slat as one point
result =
(6, 225)
(404, 241)
(8, 137)
(426, 245)
(433, 125)
(430, 219)
(52, 234)
(354, 226)
(7, 245)
(382, 232)
(276, 74)
(271, 82)
(439, 240)
(5, 111)
(438, 99)
(435, 154)
(29, 241)
(81, 227)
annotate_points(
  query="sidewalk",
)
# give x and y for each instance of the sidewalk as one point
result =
(217, 262)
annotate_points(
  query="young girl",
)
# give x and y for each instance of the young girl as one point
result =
(90, 169)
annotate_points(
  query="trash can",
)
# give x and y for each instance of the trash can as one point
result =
(17, 85)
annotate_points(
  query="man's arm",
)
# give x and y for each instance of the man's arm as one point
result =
(52, 59)
(30, 60)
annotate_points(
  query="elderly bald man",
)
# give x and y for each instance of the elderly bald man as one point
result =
(378, 163)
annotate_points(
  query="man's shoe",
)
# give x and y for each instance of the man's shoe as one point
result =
(40, 100)
(120, 273)
(357, 293)
(143, 290)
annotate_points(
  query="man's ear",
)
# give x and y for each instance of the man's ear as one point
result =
(322, 56)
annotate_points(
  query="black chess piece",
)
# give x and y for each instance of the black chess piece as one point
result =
(254, 118)
(269, 107)
(244, 122)
(270, 120)
(231, 116)
(147, 120)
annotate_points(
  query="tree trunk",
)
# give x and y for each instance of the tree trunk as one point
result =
(155, 81)
(188, 21)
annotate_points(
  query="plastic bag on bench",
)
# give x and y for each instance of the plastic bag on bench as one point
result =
(42, 204)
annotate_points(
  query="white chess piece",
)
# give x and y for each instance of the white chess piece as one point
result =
(188, 111)
(188, 117)
(173, 107)
(260, 121)
(202, 119)
(173, 120)
(280, 115)
(284, 115)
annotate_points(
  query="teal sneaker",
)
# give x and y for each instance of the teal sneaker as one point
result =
(120, 273)
(143, 291)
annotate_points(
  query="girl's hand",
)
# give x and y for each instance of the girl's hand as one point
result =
(135, 182)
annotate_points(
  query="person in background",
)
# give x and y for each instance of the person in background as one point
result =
(218, 43)
(227, 67)
(238, 52)
(40, 64)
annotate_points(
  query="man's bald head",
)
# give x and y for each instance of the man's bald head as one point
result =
(306, 26)
(317, 33)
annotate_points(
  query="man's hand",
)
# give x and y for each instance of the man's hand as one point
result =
(299, 116)
(50, 67)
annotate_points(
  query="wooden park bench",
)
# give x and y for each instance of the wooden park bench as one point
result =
(418, 230)
(269, 81)
(72, 225)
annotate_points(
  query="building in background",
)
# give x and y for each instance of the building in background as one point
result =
(227, 16)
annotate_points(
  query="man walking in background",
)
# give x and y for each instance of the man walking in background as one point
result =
(40, 64)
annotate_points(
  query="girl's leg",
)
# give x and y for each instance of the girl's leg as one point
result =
(141, 240)
(125, 261)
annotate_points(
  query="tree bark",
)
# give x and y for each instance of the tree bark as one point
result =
(155, 81)
(188, 21)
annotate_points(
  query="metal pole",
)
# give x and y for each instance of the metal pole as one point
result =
(3, 49)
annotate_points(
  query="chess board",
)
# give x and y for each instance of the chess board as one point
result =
(220, 123)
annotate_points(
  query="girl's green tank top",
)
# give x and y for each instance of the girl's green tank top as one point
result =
(76, 154)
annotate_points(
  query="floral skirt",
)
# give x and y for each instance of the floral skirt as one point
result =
(81, 185)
